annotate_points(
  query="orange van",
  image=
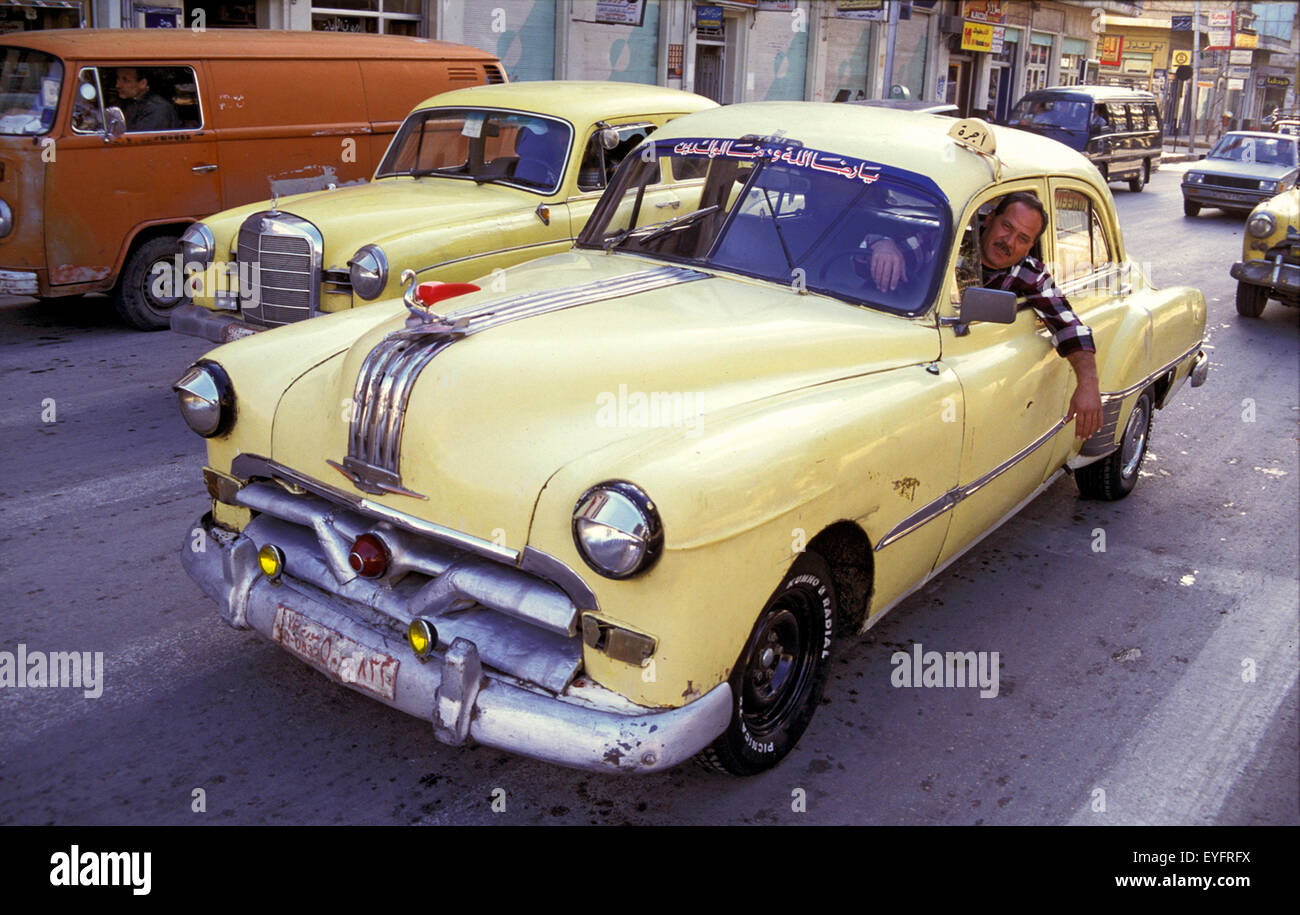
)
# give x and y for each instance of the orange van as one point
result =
(112, 141)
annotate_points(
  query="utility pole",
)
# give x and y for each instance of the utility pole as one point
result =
(1196, 74)
(891, 38)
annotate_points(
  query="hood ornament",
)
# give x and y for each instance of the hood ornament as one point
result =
(420, 298)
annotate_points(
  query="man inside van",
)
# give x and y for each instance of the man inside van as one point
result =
(144, 109)
(1006, 238)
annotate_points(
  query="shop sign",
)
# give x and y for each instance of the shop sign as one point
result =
(1277, 81)
(1220, 37)
(976, 36)
(1180, 24)
(1143, 45)
(1239, 72)
(1239, 57)
(708, 20)
(871, 10)
(1246, 40)
(620, 12)
(984, 11)
(1110, 48)
(1236, 85)
(1181, 59)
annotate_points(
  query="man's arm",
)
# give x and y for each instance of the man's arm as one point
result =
(1085, 405)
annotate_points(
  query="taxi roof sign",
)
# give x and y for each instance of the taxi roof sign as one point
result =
(974, 134)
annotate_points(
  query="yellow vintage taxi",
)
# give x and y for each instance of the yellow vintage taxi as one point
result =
(475, 180)
(617, 511)
(1270, 256)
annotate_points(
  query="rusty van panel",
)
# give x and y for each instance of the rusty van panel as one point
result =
(22, 185)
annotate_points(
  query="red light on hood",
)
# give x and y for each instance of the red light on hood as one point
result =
(432, 293)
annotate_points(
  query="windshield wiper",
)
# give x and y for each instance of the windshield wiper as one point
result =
(665, 227)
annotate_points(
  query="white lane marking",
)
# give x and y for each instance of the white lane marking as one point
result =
(1192, 748)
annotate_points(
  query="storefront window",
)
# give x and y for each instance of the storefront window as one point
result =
(387, 17)
(1036, 62)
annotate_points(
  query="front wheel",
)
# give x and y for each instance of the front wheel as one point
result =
(150, 286)
(1251, 300)
(1190, 208)
(778, 681)
(1114, 477)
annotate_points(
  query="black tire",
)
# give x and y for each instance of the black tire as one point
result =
(1251, 300)
(1136, 184)
(1190, 208)
(1114, 477)
(1105, 172)
(778, 680)
(140, 304)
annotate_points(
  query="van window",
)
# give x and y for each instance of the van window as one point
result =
(30, 84)
(1082, 247)
(1109, 118)
(598, 163)
(1152, 115)
(1064, 114)
(152, 99)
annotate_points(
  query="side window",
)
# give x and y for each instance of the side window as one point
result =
(1136, 118)
(1082, 247)
(970, 269)
(605, 152)
(88, 107)
(153, 98)
(1153, 116)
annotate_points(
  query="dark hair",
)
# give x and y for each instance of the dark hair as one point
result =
(1028, 199)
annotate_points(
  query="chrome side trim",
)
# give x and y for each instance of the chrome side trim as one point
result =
(494, 252)
(950, 499)
(532, 561)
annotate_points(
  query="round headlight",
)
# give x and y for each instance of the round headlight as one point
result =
(369, 272)
(198, 245)
(6, 219)
(617, 529)
(1261, 224)
(207, 399)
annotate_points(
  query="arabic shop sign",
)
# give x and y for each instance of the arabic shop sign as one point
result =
(1110, 48)
(976, 36)
(991, 11)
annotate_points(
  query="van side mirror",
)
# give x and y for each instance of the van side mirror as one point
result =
(114, 123)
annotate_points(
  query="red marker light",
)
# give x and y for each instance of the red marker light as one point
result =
(432, 293)
(369, 557)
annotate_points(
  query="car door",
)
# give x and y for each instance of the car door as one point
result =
(1014, 388)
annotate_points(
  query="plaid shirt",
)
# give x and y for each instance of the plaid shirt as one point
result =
(1030, 280)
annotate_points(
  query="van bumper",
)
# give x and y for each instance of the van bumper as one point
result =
(19, 282)
(194, 321)
(451, 690)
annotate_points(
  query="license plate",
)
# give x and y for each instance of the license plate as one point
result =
(234, 331)
(1242, 197)
(336, 655)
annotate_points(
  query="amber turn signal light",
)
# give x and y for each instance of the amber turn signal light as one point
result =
(422, 637)
(270, 559)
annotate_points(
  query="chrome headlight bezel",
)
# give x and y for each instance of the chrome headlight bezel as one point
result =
(368, 270)
(206, 398)
(197, 245)
(617, 529)
(6, 218)
(1261, 224)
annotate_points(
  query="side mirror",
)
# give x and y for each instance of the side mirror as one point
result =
(114, 123)
(997, 306)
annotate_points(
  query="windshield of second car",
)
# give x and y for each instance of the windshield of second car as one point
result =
(1062, 114)
(803, 218)
(1263, 150)
(29, 91)
(509, 147)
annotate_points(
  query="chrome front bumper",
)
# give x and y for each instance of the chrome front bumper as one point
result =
(1229, 198)
(19, 282)
(1272, 274)
(196, 321)
(451, 689)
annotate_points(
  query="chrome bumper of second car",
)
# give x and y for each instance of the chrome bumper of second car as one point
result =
(196, 321)
(452, 689)
(1274, 274)
(1210, 195)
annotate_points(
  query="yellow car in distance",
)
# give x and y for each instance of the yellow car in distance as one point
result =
(475, 180)
(1270, 256)
(618, 512)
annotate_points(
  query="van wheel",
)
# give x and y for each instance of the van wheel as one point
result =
(146, 293)
(1105, 173)
(1114, 477)
(777, 682)
(1190, 209)
(1136, 184)
(1251, 300)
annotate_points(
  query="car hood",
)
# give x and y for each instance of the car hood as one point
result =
(495, 414)
(1242, 169)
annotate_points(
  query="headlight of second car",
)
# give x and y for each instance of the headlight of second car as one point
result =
(369, 272)
(617, 529)
(198, 245)
(1268, 187)
(1261, 224)
(1195, 177)
(207, 399)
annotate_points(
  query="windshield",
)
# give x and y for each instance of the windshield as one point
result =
(29, 91)
(1062, 114)
(510, 147)
(761, 207)
(1263, 150)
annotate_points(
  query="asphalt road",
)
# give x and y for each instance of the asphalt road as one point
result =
(1154, 682)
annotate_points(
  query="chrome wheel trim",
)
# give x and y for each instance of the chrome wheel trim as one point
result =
(1135, 436)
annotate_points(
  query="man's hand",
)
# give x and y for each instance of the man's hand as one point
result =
(888, 266)
(1085, 405)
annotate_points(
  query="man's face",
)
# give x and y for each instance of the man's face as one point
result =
(130, 84)
(1009, 235)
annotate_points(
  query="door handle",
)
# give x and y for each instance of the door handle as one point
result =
(203, 169)
(669, 203)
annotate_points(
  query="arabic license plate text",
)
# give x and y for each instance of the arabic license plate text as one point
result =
(335, 654)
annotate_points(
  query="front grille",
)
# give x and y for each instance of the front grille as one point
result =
(1229, 181)
(279, 257)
